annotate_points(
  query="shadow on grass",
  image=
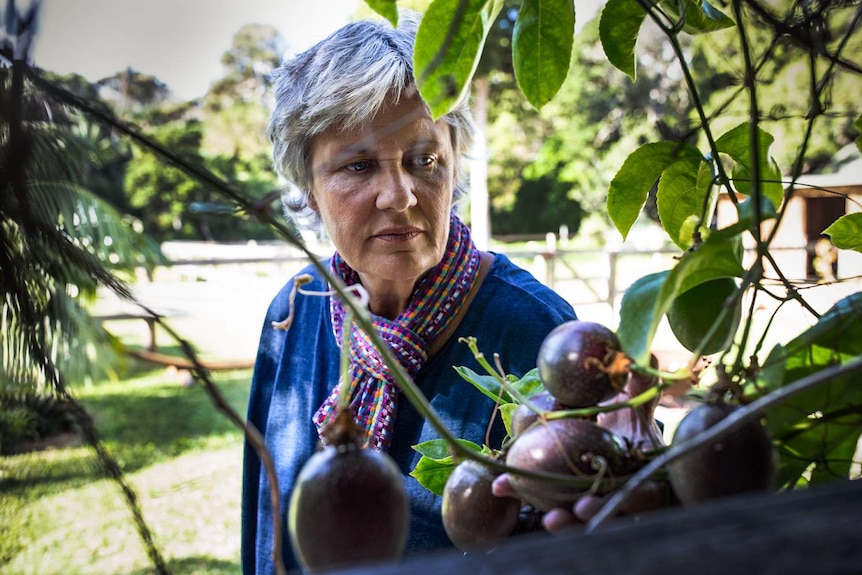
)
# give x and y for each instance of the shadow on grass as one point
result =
(146, 424)
(196, 566)
(39, 474)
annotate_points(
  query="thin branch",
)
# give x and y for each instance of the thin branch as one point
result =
(800, 35)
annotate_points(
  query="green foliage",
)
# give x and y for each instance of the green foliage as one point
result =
(621, 20)
(696, 16)
(647, 300)
(437, 463)
(489, 385)
(817, 429)
(540, 205)
(386, 8)
(752, 107)
(543, 31)
(442, 73)
(746, 147)
(159, 194)
(634, 180)
(686, 192)
(705, 318)
(26, 416)
(846, 232)
(60, 241)
(17, 426)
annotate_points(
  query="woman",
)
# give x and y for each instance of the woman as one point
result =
(366, 161)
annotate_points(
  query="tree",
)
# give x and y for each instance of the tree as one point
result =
(236, 108)
(160, 195)
(60, 239)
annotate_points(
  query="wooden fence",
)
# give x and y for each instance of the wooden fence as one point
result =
(582, 276)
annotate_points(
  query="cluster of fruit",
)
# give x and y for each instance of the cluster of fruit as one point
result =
(564, 455)
(571, 444)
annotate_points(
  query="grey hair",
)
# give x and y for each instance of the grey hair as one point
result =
(344, 80)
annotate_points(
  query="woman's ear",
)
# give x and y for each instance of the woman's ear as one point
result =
(312, 203)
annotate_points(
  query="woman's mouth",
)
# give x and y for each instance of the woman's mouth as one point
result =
(397, 234)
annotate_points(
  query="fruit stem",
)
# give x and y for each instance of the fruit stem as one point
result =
(636, 401)
(681, 374)
(497, 374)
(344, 366)
(727, 425)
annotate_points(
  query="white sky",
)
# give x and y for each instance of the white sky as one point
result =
(178, 41)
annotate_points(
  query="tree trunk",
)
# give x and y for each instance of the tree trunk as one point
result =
(480, 224)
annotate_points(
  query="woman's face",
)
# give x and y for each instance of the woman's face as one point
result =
(384, 192)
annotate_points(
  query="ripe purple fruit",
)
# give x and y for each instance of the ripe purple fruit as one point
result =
(740, 462)
(473, 516)
(577, 363)
(570, 446)
(349, 505)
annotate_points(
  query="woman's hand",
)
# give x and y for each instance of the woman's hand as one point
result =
(648, 496)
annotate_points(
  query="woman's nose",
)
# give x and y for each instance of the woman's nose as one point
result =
(394, 189)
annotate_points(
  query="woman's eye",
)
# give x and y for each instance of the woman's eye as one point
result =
(424, 161)
(358, 166)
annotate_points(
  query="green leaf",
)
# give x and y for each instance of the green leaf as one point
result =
(620, 23)
(632, 183)
(648, 299)
(820, 426)
(386, 8)
(527, 385)
(685, 186)
(449, 44)
(745, 219)
(636, 309)
(846, 232)
(436, 464)
(506, 412)
(737, 144)
(542, 47)
(438, 449)
(699, 17)
(834, 339)
(487, 384)
(432, 474)
(829, 444)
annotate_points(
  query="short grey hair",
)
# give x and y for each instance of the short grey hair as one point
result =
(344, 80)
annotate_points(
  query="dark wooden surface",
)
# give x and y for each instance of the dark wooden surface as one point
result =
(817, 531)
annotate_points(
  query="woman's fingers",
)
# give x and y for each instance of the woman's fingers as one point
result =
(558, 519)
(502, 487)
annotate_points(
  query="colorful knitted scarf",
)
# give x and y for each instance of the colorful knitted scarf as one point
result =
(434, 303)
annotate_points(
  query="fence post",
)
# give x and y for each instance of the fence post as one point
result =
(613, 255)
(550, 257)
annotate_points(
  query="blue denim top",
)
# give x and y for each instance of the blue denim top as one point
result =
(296, 369)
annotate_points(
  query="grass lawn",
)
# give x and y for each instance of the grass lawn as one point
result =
(183, 458)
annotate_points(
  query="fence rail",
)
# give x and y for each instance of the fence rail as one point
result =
(583, 276)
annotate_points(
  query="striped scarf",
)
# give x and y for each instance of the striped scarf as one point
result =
(434, 303)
